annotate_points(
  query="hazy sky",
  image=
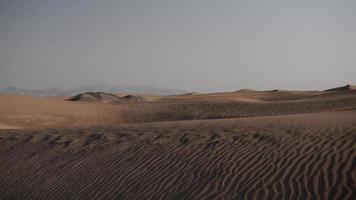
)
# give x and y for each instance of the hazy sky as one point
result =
(192, 45)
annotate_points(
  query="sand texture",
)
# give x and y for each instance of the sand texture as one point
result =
(237, 145)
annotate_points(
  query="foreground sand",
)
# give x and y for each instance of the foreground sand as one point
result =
(310, 156)
(279, 145)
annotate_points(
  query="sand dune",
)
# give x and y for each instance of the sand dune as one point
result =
(343, 88)
(30, 112)
(94, 97)
(104, 97)
(232, 145)
(2, 126)
(305, 156)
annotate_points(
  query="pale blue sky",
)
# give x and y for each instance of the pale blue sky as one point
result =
(192, 45)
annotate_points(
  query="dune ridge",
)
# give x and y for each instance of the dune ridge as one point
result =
(29, 112)
(343, 88)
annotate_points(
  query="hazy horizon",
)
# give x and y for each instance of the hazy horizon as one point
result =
(194, 46)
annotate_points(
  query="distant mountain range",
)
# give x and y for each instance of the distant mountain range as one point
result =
(91, 88)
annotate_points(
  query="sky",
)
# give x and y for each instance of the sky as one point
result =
(202, 45)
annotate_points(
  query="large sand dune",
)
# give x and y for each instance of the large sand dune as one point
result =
(30, 112)
(238, 145)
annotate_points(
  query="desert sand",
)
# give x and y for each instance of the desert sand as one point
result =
(234, 145)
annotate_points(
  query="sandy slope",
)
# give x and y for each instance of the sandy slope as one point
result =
(2, 126)
(305, 156)
(251, 145)
(29, 112)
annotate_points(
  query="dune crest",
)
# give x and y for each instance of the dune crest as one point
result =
(94, 97)
(343, 88)
(110, 109)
